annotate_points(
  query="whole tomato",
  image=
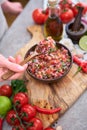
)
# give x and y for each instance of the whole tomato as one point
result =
(28, 112)
(6, 90)
(11, 118)
(49, 128)
(17, 128)
(65, 4)
(66, 15)
(36, 124)
(39, 16)
(20, 99)
(81, 4)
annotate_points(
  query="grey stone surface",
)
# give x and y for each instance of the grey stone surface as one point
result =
(17, 35)
(76, 117)
(3, 24)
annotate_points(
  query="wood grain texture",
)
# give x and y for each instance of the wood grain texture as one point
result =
(62, 93)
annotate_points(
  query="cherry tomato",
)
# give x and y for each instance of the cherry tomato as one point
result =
(49, 128)
(6, 90)
(39, 16)
(28, 112)
(81, 4)
(20, 99)
(75, 10)
(65, 4)
(36, 124)
(66, 15)
(11, 118)
(17, 128)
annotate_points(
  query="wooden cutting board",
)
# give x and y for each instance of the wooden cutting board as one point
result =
(62, 93)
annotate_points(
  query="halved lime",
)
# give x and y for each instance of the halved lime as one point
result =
(83, 42)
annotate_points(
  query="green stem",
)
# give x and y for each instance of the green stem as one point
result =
(19, 118)
(78, 70)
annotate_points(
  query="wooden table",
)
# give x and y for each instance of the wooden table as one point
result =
(16, 37)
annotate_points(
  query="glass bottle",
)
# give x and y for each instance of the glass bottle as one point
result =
(53, 26)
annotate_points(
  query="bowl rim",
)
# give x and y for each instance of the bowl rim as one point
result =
(55, 79)
(73, 33)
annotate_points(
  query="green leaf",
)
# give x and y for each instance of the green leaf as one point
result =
(18, 86)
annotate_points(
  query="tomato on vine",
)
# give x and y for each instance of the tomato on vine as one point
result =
(81, 4)
(17, 128)
(11, 118)
(28, 112)
(65, 4)
(39, 16)
(20, 99)
(66, 15)
(35, 124)
(6, 90)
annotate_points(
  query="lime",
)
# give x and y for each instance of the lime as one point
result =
(83, 42)
(5, 105)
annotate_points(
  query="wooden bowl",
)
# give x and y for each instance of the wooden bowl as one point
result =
(59, 45)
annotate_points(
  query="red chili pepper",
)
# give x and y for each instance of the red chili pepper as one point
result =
(77, 60)
(47, 111)
(1, 123)
(82, 64)
(84, 67)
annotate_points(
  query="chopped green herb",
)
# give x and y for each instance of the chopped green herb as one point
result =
(18, 86)
(33, 60)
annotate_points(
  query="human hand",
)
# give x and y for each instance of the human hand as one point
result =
(14, 8)
(11, 64)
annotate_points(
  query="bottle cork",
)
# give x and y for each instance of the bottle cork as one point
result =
(52, 2)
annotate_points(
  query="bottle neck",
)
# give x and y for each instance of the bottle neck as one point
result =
(53, 11)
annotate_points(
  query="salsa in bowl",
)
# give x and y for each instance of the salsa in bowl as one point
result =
(53, 62)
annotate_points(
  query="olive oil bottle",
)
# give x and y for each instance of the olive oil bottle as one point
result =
(53, 26)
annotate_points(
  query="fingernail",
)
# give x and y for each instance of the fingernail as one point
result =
(21, 68)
